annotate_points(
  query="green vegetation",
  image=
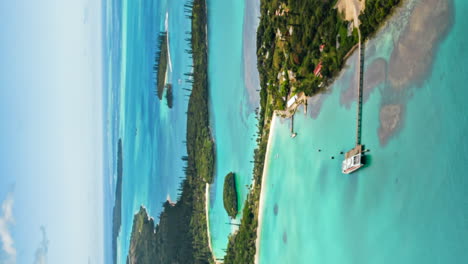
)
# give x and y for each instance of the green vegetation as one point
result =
(117, 211)
(230, 195)
(376, 12)
(289, 40)
(288, 48)
(161, 60)
(143, 240)
(160, 64)
(241, 247)
(314, 23)
(294, 37)
(181, 235)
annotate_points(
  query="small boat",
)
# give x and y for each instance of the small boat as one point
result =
(293, 135)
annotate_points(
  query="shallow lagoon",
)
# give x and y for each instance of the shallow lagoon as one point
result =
(409, 204)
(232, 115)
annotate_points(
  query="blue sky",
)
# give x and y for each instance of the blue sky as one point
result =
(51, 208)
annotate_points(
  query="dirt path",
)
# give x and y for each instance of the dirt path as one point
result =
(351, 9)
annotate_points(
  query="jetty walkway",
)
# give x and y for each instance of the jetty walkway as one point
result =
(353, 158)
(360, 88)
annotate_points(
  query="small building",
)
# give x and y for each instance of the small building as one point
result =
(321, 47)
(318, 69)
(350, 28)
(291, 101)
(353, 160)
(338, 37)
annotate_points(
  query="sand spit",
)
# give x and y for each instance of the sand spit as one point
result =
(207, 207)
(349, 7)
(263, 188)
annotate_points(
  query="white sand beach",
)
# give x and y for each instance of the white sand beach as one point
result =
(207, 206)
(264, 184)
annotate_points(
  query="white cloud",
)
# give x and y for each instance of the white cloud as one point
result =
(40, 256)
(5, 236)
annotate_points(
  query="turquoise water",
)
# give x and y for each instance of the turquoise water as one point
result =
(232, 117)
(408, 205)
(153, 135)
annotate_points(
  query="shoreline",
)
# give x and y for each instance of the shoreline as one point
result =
(262, 189)
(207, 205)
(243, 244)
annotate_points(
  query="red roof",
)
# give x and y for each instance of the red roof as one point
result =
(318, 69)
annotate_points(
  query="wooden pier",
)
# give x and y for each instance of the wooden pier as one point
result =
(355, 151)
(293, 134)
(292, 124)
(359, 95)
(353, 158)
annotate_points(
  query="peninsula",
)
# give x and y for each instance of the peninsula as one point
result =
(301, 46)
(117, 211)
(181, 235)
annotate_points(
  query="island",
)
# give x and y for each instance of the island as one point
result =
(167, 242)
(169, 95)
(182, 235)
(230, 195)
(117, 211)
(301, 46)
(161, 60)
(143, 239)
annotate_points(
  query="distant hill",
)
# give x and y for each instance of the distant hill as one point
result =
(117, 211)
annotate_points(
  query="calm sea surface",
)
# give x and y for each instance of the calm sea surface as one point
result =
(409, 204)
(232, 117)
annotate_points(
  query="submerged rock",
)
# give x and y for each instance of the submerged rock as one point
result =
(390, 118)
(413, 54)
